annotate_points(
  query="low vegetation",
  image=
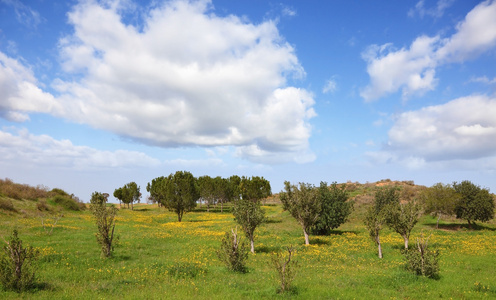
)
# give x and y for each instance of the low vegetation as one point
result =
(159, 257)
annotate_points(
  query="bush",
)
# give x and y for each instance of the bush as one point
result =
(67, 203)
(6, 204)
(42, 205)
(421, 260)
(286, 268)
(233, 252)
(105, 222)
(16, 265)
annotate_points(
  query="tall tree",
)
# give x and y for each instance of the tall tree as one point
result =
(474, 204)
(249, 215)
(128, 194)
(207, 190)
(439, 200)
(157, 189)
(303, 203)
(181, 193)
(255, 188)
(335, 208)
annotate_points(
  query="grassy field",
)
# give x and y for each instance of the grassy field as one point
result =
(160, 258)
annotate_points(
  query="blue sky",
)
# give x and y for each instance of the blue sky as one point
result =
(95, 94)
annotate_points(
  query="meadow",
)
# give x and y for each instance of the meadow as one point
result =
(159, 258)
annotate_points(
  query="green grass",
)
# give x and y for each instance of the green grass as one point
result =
(159, 258)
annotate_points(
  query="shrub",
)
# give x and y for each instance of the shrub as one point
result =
(16, 265)
(105, 222)
(67, 203)
(421, 260)
(42, 205)
(233, 252)
(6, 204)
(286, 268)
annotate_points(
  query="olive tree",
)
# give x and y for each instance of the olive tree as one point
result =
(474, 204)
(303, 203)
(128, 194)
(439, 200)
(402, 218)
(249, 214)
(181, 193)
(335, 208)
(375, 217)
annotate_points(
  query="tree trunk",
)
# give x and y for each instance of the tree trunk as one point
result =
(179, 217)
(469, 224)
(221, 207)
(132, 206)
(379, 245)
(406, 241)
(307, 241)
(252, 243)
(120, 202)
(437, 223)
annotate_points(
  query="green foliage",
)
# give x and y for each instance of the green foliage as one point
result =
(335, 208)
(128, 194)
(249, 215)
(374, 222)
(303, 204)
(421, 260)
(474, 204)
(385, 197)
(66, 202)
(286, 268)
(233, 252)
(255, 188)
(16, 265)
(377, 215)
(439, 200)
(181, 193)
(402, 218)
(105, 222)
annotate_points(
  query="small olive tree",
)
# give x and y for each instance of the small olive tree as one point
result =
(249, 215)
(286, 267)
(402, 218)
(303, 203)
(421, 260)
(16, 264)
(105, 222)
(233, 251)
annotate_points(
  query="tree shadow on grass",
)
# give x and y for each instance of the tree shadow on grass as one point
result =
(266, 249)
(459, 226)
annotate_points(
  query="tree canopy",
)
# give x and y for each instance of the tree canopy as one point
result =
(335, 208)
(474, 204)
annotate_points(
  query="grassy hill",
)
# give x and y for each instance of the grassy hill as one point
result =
(160, 258)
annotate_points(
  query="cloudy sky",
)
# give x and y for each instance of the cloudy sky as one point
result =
(95, 94)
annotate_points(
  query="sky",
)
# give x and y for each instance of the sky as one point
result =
(98, 93)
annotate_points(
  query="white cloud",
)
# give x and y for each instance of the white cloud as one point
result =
(412, 70)
(462, 129)
(22, 148)
(483, 79)
(435, 12)
(188, 77)
(20, 93)
(331, 86)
